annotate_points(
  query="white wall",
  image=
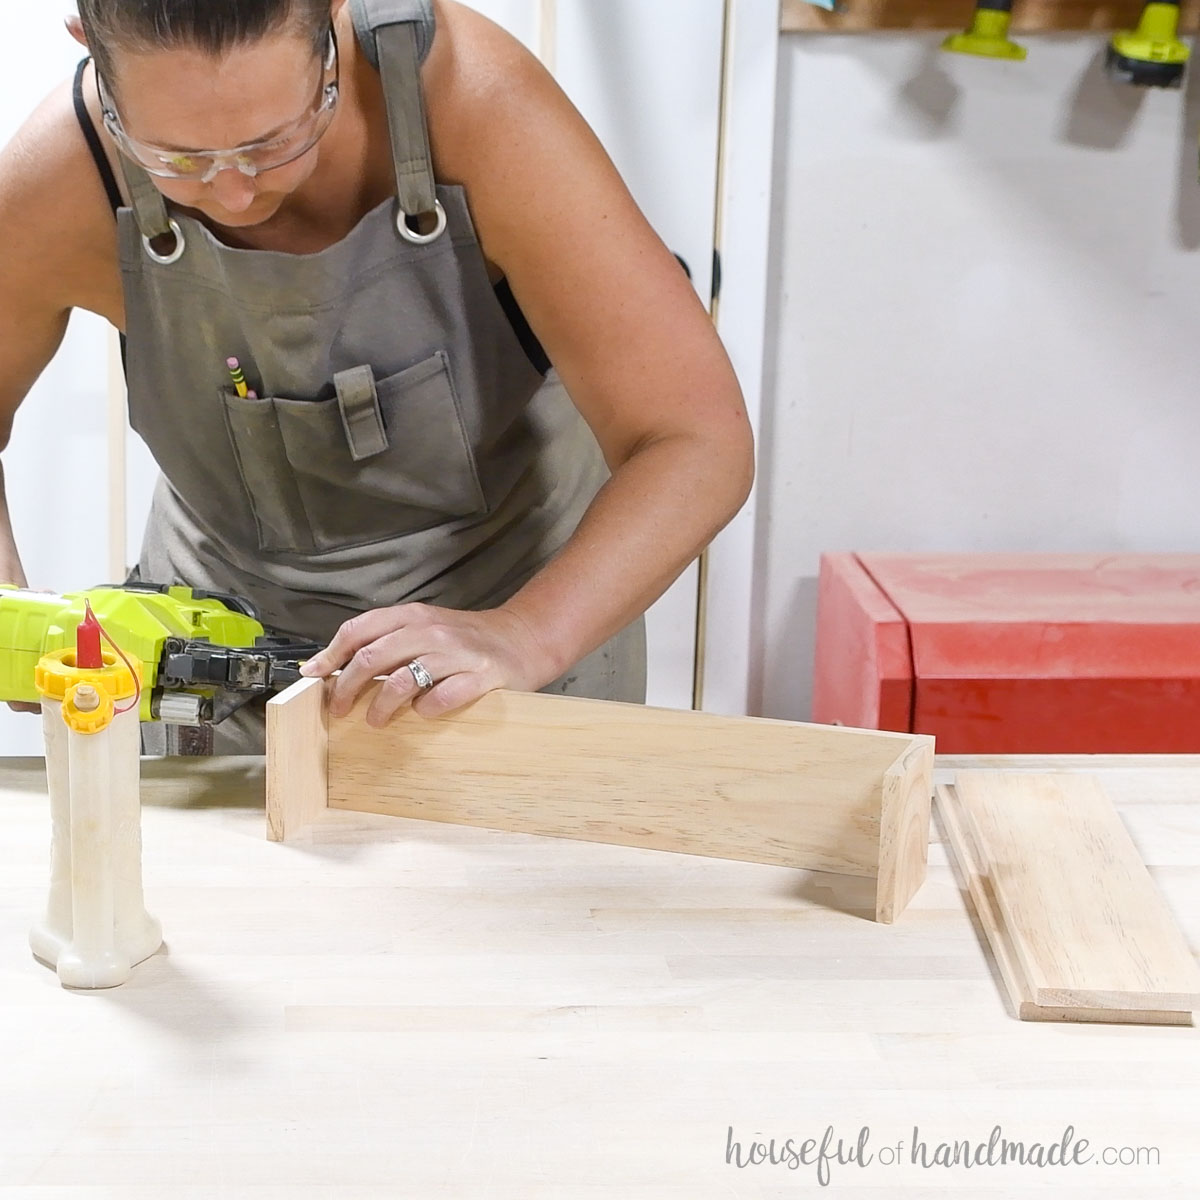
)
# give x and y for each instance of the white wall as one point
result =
(986, 294)
(648, 80)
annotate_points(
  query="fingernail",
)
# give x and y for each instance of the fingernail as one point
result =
(308, 668)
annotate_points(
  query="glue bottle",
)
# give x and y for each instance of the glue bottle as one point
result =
(96, 928)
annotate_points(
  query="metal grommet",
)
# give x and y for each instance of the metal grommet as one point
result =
(167, 259)
(422, 239)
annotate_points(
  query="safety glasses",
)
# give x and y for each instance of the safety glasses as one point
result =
(252, 159)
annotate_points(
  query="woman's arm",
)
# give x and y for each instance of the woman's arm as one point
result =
(635, 348)
(57, 252)
(50, 258)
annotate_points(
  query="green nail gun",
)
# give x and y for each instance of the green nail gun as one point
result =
(204, 654)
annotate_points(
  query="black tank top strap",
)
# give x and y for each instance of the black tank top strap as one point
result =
(93, 140)
(520, 326)
(102, 165)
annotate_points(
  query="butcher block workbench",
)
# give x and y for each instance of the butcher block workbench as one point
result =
(404, 1009)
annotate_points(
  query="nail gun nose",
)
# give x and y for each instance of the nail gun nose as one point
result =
(285, 674)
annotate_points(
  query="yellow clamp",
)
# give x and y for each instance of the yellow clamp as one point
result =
(56, 673)
(58, 678)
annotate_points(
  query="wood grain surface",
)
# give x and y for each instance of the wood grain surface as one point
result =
(761, 791)
(904, 821)
(1085, 924)
(297, 758)
(396, 1009)
(966, 858)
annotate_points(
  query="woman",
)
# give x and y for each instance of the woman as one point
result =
(396, 222)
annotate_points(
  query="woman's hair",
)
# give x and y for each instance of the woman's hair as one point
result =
(214, 26)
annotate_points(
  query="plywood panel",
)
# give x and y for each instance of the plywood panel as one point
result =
(1084, 925)
(966, 858)
(697, 783)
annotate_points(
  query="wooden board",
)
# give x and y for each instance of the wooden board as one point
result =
(695, 783)
(848, 801)
(297, 758)
(1029, 16)
(1076, 925)
(904, 829)
(965, 859)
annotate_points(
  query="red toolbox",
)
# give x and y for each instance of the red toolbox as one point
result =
(1013, 653)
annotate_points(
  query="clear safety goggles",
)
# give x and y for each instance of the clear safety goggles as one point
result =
(252, 159)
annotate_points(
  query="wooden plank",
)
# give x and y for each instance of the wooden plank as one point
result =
(904, 829)
(966, 862)
(1085, 923)
(967, 859)
(1029, 16)
(697, 783)
(297, 758)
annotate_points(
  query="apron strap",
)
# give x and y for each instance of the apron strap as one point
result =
(395, 36)
(370, 15)
(150, 211)
(400, 70)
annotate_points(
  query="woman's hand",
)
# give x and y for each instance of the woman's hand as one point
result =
(466, 654)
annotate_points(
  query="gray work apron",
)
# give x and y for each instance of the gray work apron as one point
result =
(403, 446)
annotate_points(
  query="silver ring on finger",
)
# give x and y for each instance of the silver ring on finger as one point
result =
(421, 677)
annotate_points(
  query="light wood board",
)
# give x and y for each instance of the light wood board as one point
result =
(1076, 925)
(1029, 16)
(297, 758)
(904, 822)
(849, 801)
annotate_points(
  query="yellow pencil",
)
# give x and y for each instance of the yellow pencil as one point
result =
(239, 380)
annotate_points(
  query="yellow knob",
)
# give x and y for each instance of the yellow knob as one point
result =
(87, 708)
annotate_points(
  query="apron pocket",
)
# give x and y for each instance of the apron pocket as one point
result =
(266, 473)
(322, 479)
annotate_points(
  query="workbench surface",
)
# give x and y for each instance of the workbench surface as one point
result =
(402, 1009)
